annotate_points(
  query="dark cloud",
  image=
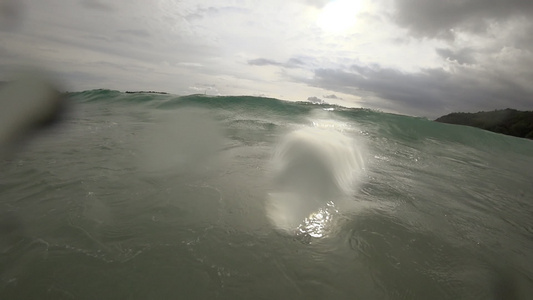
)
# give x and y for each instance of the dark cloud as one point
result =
(403, 90)
(493, 71)
(463, 56)
(430, 93)
(440, 19)
(523, 39)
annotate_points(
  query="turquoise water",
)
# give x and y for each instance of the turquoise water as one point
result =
(146, 196)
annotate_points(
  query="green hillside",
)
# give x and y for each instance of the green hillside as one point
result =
(506, 121)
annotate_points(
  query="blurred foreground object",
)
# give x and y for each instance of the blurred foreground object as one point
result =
(26, 105)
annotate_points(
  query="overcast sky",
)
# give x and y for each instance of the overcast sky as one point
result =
(416, 57)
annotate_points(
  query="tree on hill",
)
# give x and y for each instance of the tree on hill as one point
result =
(506, 121)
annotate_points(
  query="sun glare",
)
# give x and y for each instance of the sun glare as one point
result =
(338, 15)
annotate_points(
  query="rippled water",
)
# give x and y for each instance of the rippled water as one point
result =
(253, 198)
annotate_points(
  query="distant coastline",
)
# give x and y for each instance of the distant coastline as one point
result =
(505, 121)
(146, 92)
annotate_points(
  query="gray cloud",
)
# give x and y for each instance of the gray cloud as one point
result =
(207, 12)
(263, 62)
(461, 56)
(291, 63)
(489, 64)
(523, 39)
(11, 12)
(431, 92)
(294, 63)
(439, 19)
(136, 32)
(97, 5)
(484, 63)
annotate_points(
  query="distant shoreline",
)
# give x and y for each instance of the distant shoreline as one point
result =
(505, 121)
(145, 92)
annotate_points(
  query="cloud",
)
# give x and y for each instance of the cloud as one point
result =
(291, 63)
(461, 56)
(430, 92)
(263, 62)
(294, 63)
(11, 12)
(317, 3)
(332, 96)
(211, 11)
(135, 32)
(97, 5)
(456, 55)
(442, 19)
(190, 64)
(201, 13)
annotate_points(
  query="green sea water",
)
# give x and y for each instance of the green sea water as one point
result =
(147, 196)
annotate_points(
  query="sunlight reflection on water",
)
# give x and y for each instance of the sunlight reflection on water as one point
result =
(316, 225)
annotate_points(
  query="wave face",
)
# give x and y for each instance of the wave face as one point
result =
(201, 197)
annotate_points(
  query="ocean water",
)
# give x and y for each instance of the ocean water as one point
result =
(148, 196)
